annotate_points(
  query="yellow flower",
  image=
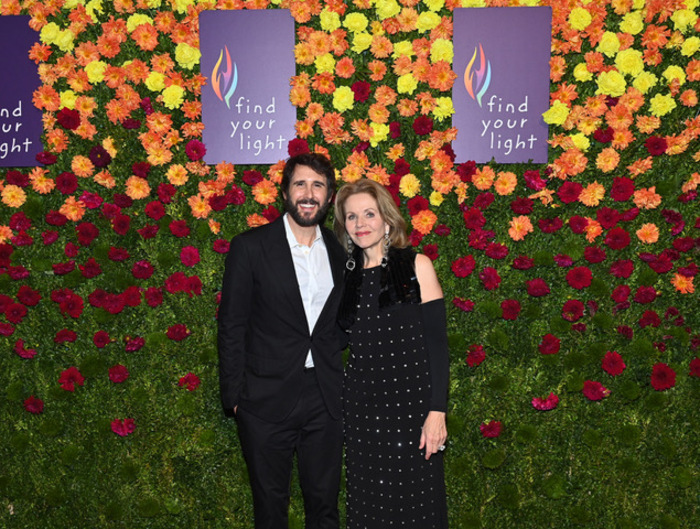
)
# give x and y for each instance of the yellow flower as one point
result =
(153, 3)
(187, 56)
(355, 22)
(181, 5)
(436, 199)
(387, 8)
(630, 62)
(632, 23)
(68, 98)
(361, 42)
(409, 185)
(580, 18)
(477, 3)
(137, 187)
(95, 71)
(173, 96)
(609, 44)
(330, 20)
(684, 19)
(674, 72)
(380, 132)
(434, 5)
(343, 98)
(611, 84)
(581, 141)
(403, 48)
(660, 105)
(645, 81)
(325, 63)
(65, 40)
(427, 20)
(442, 50)
(92, 8)
(406, 84)
(155, 81)
(49, 33)
(557, 113)
(136, 20)
(443, 108)
(581, 73)
(108, 145)
(13, 196)
(690, 46)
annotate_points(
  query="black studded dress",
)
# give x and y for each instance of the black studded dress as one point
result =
(386, 400)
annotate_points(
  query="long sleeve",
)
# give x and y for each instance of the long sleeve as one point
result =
(435, 326)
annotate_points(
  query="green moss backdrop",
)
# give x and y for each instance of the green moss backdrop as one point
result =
(573, 317)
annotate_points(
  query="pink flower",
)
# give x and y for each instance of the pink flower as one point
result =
(190, 381)
(544, 404)
(34, 405)
(123, 427)
(475, 355)
(593, 390)
(70, 377)
(612, 363)
(118, 373)
(195, 150)
(491, 428)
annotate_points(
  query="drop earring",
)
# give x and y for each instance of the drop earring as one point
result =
(350, 263)
(385, 247)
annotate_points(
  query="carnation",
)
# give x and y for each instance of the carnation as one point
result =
(662, 377)
(463, 266)
(545, 404)
(118, 374)
(612, 363)
(34, 405)
(190, 381)
(70, 377)
(537, 287)
(178, 332)
(475, 355)
(491, 429)
(123, 427)
(593, 390)
(510, 309)
(579, 277)
(572, 310)
(549, 345)
(490, 278)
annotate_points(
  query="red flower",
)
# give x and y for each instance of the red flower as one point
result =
(490, 278)
(417, 204)
(66, 183)
(656, 145)
(431, 250)
(361, 90)
(662, 377)
(608, 217)
(491, 429)
(523, 262)
(422, 125)
(593, 390)
(593, 254)
(473, 218)
(533, 180)
(34, 405)
(195, 150)
(579, 277)
(620, 294)
(463, 266)
(578, 224)
(153, 296)
(572, 310)
(221, 246)
(179, 228)
(99, 156)
(65, 335)
(22, 351)
(510, 309)
(6, 329)
(645, 295)
(121, 223)
(550, 225)
(155, 210)
(496, 250)
(142, 269)
(189, 256)
(178, 332)
(190, 381)
(549, 345)
(622, 189)
(134, 344)
(475, 355)
(545, 404)
(649, 318)
(118, 373)
(70, 377)
(622, 268)
(27, 296)
(61, 269)
(148, 231)
(625, 331)
(484, 200)
(537, 287)
(101, 339)
(117, 254)
(123, 427)
(466, 305)
(166, 192)
(15, 313)
(68, 118)
(90, 269)
(132, 296)
(72, 305)
(694, 367)
(521, 206)
(569, 192)
(87, 232)
(617, 239)
(297, 146)
(613, 364)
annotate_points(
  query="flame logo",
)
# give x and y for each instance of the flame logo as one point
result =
(483, 76)
(227, 78)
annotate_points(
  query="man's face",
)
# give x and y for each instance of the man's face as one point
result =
(308, 197)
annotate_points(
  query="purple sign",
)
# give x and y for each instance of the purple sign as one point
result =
(20, 120)
(502, 88)
(248, 58)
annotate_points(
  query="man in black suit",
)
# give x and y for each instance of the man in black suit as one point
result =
(280, 349)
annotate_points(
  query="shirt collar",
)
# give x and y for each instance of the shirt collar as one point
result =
(291, 239)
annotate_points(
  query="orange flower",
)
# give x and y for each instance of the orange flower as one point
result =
(692, 71)
(320, 43)
(105, 179)
(633, 99)
(159, 155)
(607, 160)
(691, 184)
(137, 187)
(385, 95)
(361, 129)
(640, 166)
(162, 63)
(381, 47)
(13, 196)
(351, 173)
(483, 178)
(646, 198)
(214, 227)
(407, 108)
(159, 123)
(648, 233)
(593, 230)
(378, 113)
(441, 76)
(570, 163)
(395, 152)
(265, 192)
(46, 98)
(73, 209)
(648, 124)
(519, 227)
(299, 96)
(344, 68)
(146, 37)
(177, 175)
(423, 221)
(379, 174)
(505, 184)
(57, 140)
(444, 181)
(304, 128)
(82, 166)
(199, 206)
(557, 68)
(683, 284)
(619, 117)
(5, 233)
(377, 70)
(592, 194)
(254, 220)
(622, 139)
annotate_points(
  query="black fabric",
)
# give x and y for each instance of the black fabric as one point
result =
(435, 333)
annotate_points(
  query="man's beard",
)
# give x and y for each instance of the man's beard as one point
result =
(306, 222)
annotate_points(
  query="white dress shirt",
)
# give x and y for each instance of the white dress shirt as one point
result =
(313, 271)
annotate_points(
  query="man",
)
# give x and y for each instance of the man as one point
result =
(280, 349)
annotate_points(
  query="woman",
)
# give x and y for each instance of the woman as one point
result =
(395, 390)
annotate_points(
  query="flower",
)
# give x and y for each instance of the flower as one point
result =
(490, 278)
(579, 277)
(118, 373)
(612, 363)
(593, 390)
(195, 150)
(178, 332)
(662, 377)
(580, 18)
(70, 377)
(572, 310)
(475, 355)
(123, 427)
(557, 113)
(34, 405)
(545, 404)
(190, 381)
(463, 266)
(491, 429)
(549, 345)
(510, 309)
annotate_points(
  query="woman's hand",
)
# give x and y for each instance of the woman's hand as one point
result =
(434, 433)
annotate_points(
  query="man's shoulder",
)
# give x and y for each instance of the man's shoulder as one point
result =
(259, 232)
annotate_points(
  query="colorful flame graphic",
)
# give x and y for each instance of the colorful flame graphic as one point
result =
(483, 76)
(221, 80)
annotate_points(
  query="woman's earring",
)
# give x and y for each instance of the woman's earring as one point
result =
(350, 263)
(385, 247)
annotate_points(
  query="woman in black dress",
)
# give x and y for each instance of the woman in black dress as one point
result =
(395, 389)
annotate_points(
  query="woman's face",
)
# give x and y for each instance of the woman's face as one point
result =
(363, 222)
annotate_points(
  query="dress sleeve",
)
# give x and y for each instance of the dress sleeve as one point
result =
(435, 326)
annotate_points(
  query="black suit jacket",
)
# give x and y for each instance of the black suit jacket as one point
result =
(263, 335)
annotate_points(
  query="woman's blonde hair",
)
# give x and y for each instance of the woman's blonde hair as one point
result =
(387, 209)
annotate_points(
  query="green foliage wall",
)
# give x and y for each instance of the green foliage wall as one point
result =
(570, 285)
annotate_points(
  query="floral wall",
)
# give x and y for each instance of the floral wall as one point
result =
(573, 316)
